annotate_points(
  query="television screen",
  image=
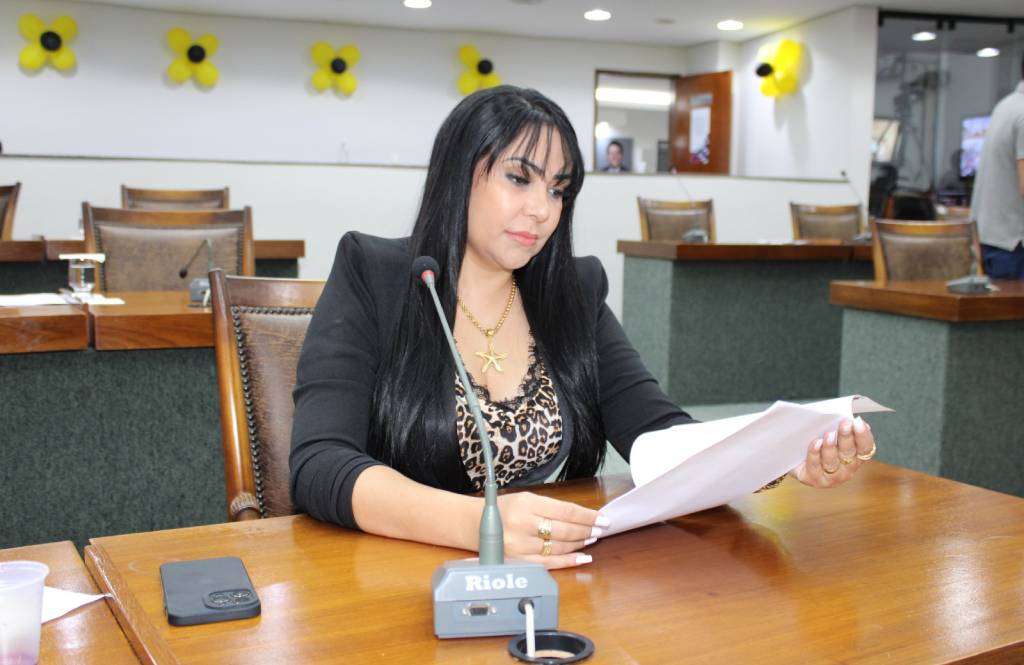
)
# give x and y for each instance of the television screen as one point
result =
(972, 135)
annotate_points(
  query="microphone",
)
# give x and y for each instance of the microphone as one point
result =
(478, 598)
(199, 288)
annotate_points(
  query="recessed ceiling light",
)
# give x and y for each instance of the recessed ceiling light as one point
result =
(730, 24)
(417, 4)
(923, 36)
(634, 97)
(597, 15)
(987, 52)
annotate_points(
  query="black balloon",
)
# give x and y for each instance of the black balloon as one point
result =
(485, 66)
(196, 54)
(50, 40)
(764, 69)
(338, 65)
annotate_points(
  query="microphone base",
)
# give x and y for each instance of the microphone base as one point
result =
(199, 292)
(471, 600)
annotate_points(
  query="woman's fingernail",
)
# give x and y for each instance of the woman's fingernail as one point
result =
(589, 541)
(817, 444)
(595, 532)
(846, 428)
(603, 522)
(859, 425)
(831, 438)
(583, 558)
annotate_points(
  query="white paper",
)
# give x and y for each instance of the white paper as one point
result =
(689, 468)
(97, 299)
(58, 602)
(31, 300)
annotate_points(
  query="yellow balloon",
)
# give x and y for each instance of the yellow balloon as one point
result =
(206, 73)
(64, 59)
(346, 83)
(66, 27)
(469, 82)
(209, 44)
(350, 54)
(179, 40)
(321, 80)
(785, 84)
(179, 71)
(769, 87)
(469, 56)
(32, 57)
(490, 80)
(31, 27)
(322, 54)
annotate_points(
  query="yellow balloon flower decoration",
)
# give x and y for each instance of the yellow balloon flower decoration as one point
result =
(778, 65)
(193, 58)
(479, 72)
(47, 44)
(334, 67)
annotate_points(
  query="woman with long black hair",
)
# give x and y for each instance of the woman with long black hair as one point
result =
(383, 439)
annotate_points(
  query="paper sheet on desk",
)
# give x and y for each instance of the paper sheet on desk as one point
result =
(689, 468)
(58, 602)
(31, 300)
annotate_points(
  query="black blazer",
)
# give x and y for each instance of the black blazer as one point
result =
(351, 328)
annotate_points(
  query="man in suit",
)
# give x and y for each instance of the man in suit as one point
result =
(614, 157)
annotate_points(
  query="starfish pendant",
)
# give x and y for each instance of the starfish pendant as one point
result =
(491, 357)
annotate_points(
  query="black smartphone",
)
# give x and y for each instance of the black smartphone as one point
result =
(207, 591)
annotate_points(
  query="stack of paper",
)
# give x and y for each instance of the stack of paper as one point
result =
(688, 468)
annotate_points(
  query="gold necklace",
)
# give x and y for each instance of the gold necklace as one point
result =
(491, 357)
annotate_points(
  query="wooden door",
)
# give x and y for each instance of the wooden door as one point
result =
(700, 123)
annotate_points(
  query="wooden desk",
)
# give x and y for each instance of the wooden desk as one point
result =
(896, 567)
(43, 328)
(951, 366)
(87, 635)
(151, 320)
(728, 323)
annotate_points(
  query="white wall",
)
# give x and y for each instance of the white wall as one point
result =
(825, 126)
(319, 202)
(118, 102)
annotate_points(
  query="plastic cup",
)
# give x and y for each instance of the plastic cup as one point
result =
(21, 611)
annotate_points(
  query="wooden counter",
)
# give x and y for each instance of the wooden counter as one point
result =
(790, 251)
(43, 328)
(933, 300)
(150, 320)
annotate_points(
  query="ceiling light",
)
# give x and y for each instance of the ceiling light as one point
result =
(987, 52)
(923, 36)
(730, 24)
(602, 130)
(417, 4)
(634, 97)
(597, 15)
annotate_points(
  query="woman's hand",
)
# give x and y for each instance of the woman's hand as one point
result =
(834, 458)
(527, 518)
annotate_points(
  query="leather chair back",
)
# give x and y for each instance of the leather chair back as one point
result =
(8, 203)
(175, 199)
(812, 222)
(146, 249)
(913, 251)
(259, 328)
(671, 220)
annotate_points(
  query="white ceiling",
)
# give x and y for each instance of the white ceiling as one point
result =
(633, 21)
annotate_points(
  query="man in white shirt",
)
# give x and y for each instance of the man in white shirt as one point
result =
(998, 202)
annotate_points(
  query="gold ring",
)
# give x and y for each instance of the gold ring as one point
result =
(544, 529)
(825, 469)
(844, 460)
(545, 548)
(868, 455)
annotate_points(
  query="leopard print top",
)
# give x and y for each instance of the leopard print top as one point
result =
(525, 430)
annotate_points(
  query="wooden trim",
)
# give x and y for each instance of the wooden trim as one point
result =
(263, 249)
(44, 328)
(21, 251)
(931, 300)
(143, 636)
(131, 195)
(679, 251)
(150, 320)
(7, 219)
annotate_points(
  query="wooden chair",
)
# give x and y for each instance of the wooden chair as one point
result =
(911, 251)
(8, 202)
(671, 220)
(146, 249)
(812, 222)
(259, 326)
(175, 199)
(953, 213)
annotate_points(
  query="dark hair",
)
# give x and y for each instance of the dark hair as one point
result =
(412, 423)
(614, 142)
(1022, 66)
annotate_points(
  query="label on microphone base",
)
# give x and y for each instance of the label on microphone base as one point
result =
(471, 600)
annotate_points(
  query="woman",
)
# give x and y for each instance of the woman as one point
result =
(383, 440)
